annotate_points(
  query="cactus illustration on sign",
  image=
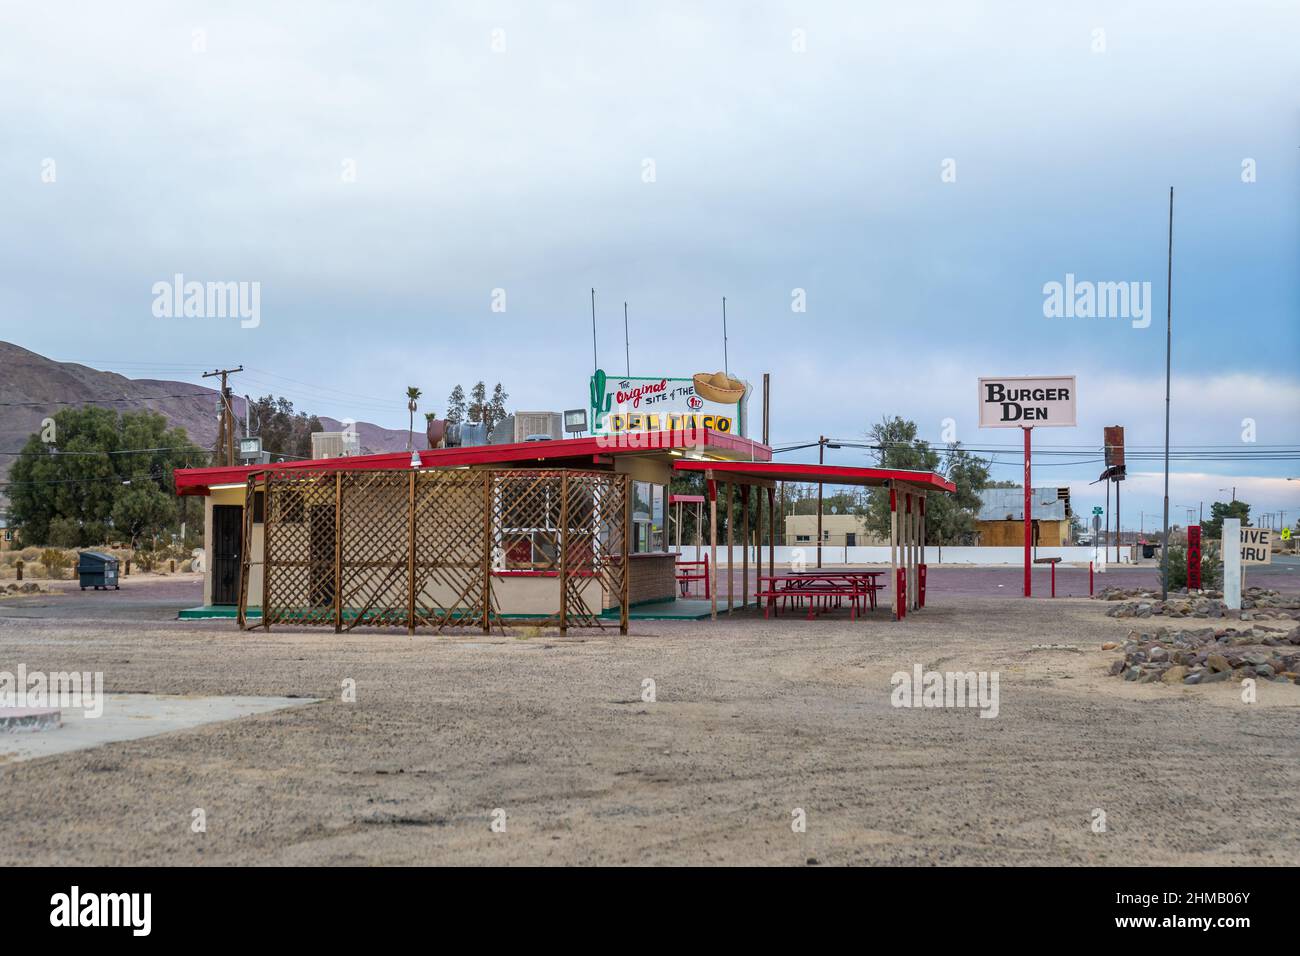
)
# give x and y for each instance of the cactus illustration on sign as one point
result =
(600, 402)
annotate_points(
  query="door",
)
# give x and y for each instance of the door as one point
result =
(851, 539)
(321, 582)
(227, 529)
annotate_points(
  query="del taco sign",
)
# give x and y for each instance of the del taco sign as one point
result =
(627, 404)
(1027, 402)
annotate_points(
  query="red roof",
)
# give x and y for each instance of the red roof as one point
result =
(826, 474)
(565, 452)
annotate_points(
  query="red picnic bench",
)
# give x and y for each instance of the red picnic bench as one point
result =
(827, 588)
(684, 578)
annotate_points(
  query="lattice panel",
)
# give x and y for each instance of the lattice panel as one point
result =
(411, 548)
(374, 570)
(298, 572)
(450, 512)
(595, 555)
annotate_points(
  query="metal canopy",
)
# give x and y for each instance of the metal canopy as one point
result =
(756, 472)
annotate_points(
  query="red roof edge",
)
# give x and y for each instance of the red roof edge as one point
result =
(199, 481)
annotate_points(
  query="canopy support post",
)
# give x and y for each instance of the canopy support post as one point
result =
(713, 544)
(731, 564)
(744, 559)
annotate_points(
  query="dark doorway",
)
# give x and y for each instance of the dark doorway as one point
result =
(321, 518)
(227, 529)
(851, 539)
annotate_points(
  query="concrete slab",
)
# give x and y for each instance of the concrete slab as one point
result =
(17, 720)
(132, 716)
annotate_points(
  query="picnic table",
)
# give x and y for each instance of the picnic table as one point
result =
(827, 588)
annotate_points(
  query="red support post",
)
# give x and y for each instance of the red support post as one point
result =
(920, 581)
(1089, 579)
(900, 594)
(1053, 579)
(1029, 517)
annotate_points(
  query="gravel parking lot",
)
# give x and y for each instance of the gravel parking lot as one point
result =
(752, 721)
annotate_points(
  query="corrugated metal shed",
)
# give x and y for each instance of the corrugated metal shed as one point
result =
(1001, 504)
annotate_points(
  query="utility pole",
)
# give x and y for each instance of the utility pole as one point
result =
(1169, 346)
(227, 433)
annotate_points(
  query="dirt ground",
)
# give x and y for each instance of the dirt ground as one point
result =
(753, 720)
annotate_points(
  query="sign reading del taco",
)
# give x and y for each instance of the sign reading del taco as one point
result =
(707, 400)
(1027, 402)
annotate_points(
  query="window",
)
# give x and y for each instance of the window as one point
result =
(803, 537)
(289, 506)
(648, 502)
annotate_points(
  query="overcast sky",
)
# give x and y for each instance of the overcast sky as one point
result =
(381, 168)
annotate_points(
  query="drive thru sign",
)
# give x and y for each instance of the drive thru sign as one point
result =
(1026, 401)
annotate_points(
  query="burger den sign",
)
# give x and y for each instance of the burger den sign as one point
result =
(1027, 402)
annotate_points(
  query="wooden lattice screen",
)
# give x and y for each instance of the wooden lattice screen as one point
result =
(433, 548)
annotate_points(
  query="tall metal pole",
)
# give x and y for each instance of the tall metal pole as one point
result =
(1119, 528)
(726, 366)
(821, 460)
(627, 349)
(1169, 344)
(595, 363)
(767, 389)
(1029, 515)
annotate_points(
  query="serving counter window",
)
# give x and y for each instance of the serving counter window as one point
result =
(648, 503)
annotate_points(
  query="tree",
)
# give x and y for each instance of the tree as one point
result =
(496, 407)
(284, 432)
(142, 510)
(949, 519)
(412, 403)
(66, 491)
(1213, 529)
(478, 402)
(456, 406)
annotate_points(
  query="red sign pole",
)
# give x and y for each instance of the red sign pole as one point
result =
(1193, 557)
(1029, 517)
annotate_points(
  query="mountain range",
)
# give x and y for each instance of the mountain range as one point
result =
(33, 387)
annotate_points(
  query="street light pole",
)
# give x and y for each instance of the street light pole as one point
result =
(821, 460)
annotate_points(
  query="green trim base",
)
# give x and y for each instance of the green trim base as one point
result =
(675, 609)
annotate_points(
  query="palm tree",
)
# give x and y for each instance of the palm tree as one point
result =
(412, 397)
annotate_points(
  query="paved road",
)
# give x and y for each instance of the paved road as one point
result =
(1070, 582)
(160, 598)
(140, 599)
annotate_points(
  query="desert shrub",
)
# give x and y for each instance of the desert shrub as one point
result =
(31, 554)
(1211, 568)
(55, 562)
(186, 566)
(145, 560)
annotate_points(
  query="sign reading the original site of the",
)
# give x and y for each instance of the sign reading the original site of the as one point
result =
(621, 405)
(1027, 402)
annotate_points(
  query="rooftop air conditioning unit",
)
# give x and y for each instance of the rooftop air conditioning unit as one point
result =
(528, 426)
(335, 444)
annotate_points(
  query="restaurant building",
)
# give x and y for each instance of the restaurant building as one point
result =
(571, 532)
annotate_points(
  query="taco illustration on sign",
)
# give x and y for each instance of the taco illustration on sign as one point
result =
(719, 387)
